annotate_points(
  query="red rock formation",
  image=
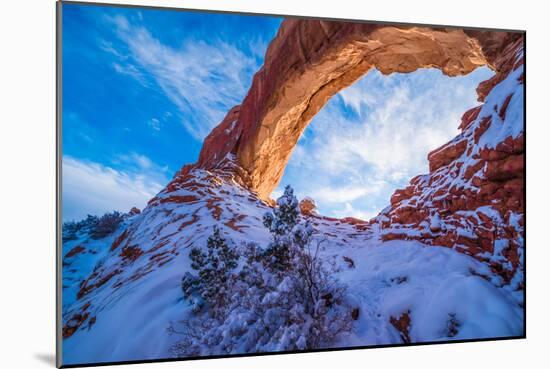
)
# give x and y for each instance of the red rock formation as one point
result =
(222, 140)
(75, 251)
(402, 324)
(119, 240)
(76, 321)
(131, 253)
(473, 199)
(310, 61)
(92, 282)
(134, 211)
(446, 154)
(308, 206)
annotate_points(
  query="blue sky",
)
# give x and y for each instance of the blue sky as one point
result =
(142, 88)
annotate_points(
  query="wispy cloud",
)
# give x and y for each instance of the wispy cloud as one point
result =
(203, 79)
(93, 188)
(348, 210)
(339, 194)
(154, 123)
(139, 163)
(375, 136)
(131, 71)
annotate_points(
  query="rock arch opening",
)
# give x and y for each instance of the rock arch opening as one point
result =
(372, 137)
(310, 61)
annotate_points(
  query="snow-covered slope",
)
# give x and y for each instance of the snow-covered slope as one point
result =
(127, 291)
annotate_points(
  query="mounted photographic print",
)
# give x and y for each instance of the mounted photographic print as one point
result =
(239, 184)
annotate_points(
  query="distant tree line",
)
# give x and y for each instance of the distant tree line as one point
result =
(94, 226)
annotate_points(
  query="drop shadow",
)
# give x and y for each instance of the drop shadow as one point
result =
(46, 359)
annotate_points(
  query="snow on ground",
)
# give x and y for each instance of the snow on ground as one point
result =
(134, 301)
(435, 284)
(121, 294)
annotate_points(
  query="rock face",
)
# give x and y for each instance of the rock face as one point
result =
(310, 61)
(308, 206)
(473, 199)
(471, 176)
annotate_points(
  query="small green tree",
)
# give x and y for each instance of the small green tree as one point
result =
(215, 270)
(314, 300)
(281, 223)
(282, 298)
(285, 216)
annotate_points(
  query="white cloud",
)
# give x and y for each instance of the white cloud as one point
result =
(278, 192)
(340, 194)
(132, 71)
(355, 97)
(204, 80)
(394, 137)
(349, 211)
(374, 136)
(92, 188)
(143, 161)
(155, 124)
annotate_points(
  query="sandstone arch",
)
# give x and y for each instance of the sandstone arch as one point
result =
(309, 61)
